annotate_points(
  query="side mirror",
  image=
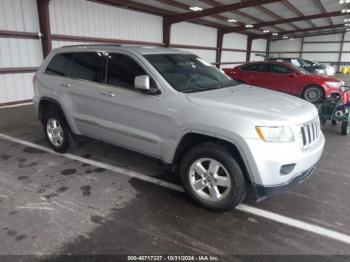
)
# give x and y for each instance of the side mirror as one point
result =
(293, 74)
(142, 82)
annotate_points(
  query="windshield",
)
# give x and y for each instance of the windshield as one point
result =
(188, 73)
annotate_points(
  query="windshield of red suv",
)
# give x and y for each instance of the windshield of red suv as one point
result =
(189, 73)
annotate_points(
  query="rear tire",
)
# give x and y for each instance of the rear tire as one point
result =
(57, 132)
(212, 177)
(313, 94)
(345, 128)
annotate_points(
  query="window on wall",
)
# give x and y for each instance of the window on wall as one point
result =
(60, 64)
(122, 70)
(278, 69)
(87, 66)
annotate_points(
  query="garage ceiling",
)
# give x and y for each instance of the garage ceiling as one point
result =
(294, 18)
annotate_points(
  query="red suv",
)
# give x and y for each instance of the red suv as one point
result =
(286, 78)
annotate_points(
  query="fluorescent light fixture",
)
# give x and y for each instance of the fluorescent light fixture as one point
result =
(347, 25)
(195, 8)
(347, 20)
(345, 11)
(285, 37)
(275, 34)
(231, 20)
(344, 2)
(291, 38)
(266, 31)
(249, 26)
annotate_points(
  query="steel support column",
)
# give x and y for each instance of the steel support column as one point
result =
(44, 23)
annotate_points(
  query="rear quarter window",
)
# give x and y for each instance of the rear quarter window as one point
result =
(60, 64)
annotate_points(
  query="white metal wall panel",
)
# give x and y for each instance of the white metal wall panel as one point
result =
(286, 45)
(16, 52)
(207, 55)
(16, 87)
(347, 37)
(255, 58)
(323, 38)
(346, 47)
(235, 41)
(321, 57)
(19, 15)
(57, 44)
(193, 34)
(322, 47)
(85, 18)
(229, 56)
(259, 45)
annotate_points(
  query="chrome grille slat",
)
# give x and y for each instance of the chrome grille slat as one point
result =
(310, 132)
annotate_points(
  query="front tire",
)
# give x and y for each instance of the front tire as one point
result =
(345, 128)
(313, 94)
(212, 177)
(57, 132)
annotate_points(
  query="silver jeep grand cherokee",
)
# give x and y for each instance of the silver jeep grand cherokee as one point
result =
(225, 139)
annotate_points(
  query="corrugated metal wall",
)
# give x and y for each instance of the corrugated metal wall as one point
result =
(196, 35)
(82, 18)
(18, 15)
(326, 49)
(85, 18)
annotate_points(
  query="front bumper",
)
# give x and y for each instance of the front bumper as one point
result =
(265, 161)
(262, 192)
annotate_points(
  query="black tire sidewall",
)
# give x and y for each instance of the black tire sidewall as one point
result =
(345, 128)
(320, 99)
(222, 155)
(66, 134)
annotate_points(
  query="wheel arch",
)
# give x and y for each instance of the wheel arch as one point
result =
(192, 139)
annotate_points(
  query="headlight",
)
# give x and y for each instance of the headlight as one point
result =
(275, 134)
(333, 84)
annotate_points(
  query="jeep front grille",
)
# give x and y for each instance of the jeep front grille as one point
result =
(310, 132)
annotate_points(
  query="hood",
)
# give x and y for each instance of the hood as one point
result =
(255, 102)
(326, 78)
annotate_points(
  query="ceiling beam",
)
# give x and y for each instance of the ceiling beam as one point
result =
(289, 20)
(323, 10)
(296, 11)
(292, 33)
(239, 13)
(330, 32)
(272, 14)
(128, 4)
(216, 10)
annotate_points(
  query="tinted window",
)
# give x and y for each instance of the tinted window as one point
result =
(60, 64)
(87, 66)
(278, 69)
(122, 70)
(257, 67)
(189, 73)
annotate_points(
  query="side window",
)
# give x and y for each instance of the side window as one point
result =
(87, 66)
(264, 68)
(257, 67)
(122, 70)
(60, 64)
(252, 67)
(278, 69)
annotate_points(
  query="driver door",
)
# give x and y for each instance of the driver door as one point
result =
(129, 117)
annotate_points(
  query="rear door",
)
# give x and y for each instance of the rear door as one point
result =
(284, 79)
(79, 91)
(130, 118)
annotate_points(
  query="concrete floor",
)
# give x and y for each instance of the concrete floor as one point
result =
(53, 205)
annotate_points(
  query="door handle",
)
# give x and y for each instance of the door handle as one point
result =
(66, 85)
(109, 94)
